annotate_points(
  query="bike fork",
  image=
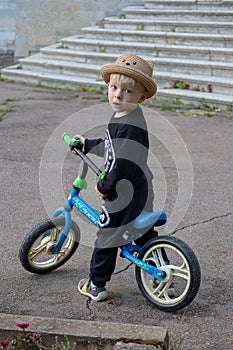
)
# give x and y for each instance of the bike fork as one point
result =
(127, 252)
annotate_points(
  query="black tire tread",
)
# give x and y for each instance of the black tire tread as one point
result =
(35, 233)
(194, 268)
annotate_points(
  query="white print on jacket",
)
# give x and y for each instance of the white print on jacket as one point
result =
(109, 153)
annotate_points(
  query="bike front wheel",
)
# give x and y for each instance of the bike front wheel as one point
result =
(35, 251)
(182, 273)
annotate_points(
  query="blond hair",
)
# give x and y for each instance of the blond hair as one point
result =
(125, 80)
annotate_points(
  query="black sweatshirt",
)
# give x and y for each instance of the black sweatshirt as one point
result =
(125, 152)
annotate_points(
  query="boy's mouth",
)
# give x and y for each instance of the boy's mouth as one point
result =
(116, 104)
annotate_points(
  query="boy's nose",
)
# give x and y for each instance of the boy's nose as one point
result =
(118, 93)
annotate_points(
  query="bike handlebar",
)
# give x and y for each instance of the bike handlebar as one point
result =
(67, 138)
(70, 141)
(75, 145)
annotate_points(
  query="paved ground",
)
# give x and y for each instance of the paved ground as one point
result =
(31, 116)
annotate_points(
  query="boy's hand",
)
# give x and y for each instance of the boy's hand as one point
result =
(82, 140)
(101, 195)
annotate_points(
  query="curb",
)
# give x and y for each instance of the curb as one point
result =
(89, 335)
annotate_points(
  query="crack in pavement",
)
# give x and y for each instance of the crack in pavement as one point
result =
(91, 316)
(201, 222)
(88, 303)
(15, 160)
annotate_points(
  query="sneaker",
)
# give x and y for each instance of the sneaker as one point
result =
(86, 287)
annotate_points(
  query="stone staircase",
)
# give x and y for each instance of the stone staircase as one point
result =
(189, 41)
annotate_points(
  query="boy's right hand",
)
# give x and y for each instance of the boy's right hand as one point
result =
(82, 140)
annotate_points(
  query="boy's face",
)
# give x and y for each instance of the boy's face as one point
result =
(124, 98)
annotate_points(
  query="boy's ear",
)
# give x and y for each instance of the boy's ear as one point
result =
(143, 97)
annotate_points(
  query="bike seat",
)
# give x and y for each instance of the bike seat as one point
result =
(148, 219)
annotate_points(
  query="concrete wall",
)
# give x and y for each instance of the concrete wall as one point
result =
(43, 22)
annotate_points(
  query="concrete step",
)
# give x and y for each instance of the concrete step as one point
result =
(73, 45)
(48, 79)
(205, 68)
(187, 43)
(139, 12)
(39, 64)
(189, 4)
(74, 82)
(143, 36)
(223, 86)
(197, 97)
(164, 78)
(169, 26)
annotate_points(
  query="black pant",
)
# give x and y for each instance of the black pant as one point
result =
(103, 260)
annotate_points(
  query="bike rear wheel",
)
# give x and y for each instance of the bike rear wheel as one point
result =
(182, 273)
(35, 251)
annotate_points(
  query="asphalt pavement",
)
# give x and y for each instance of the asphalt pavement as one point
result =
(196, 179)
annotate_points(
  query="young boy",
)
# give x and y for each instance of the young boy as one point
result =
(127, 185)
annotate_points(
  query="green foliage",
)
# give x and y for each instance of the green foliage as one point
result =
(140, 27)
(230, 108)
(167, 108)
(4, 111)
(26, 340)
(102, 49)
(179, 84)
(91, 89)
(177, 101)
(62, 46)
(10, 100)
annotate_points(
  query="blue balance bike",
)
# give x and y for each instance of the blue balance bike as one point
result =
(167, 270)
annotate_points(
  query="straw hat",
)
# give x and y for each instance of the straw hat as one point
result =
(134, 67)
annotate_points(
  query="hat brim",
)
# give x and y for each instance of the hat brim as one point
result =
(146, 81)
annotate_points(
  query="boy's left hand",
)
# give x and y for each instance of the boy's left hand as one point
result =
(101, 195)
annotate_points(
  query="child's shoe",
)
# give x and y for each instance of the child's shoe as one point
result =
(86, 287)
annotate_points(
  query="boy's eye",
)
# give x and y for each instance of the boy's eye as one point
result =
(127, 91)
(113, 87)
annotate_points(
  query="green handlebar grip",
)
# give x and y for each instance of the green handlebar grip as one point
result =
(67, 138)
(101, 175)
(71, 142)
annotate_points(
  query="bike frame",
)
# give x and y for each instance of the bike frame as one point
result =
(127, 251)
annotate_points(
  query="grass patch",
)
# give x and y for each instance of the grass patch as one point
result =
(140, 27)
(167, 108)
(39, 85)
(62, 46)
(102, 49)
(177, 101)
(4, 111)
(208, 114)
(91, 89)
(10, 100)
(230, 108)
